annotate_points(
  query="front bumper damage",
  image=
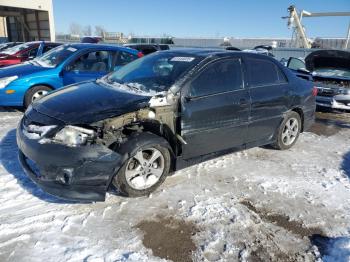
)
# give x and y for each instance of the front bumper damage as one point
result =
(75, 173)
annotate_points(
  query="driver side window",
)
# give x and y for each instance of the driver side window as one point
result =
(218, 77)
(96, 61)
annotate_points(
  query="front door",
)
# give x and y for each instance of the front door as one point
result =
(215, 109)
(89, 66)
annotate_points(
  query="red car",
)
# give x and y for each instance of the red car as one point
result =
(24, 52)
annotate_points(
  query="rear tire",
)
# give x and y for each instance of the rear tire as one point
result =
(34, 93)
(147, 166)
(288, 131)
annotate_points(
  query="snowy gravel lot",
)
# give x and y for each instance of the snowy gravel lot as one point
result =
(259, 204)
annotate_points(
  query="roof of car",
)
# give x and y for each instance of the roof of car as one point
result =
(203, 52)
(143, 44)
(97, 46)
(37, 42)
(200, 51)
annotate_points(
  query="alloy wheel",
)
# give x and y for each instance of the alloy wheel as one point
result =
(38, 94)
(145, 168)
(290, 131)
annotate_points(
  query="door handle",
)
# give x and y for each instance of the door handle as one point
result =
(243, 102)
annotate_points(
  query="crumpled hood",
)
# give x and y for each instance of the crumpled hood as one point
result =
(327, 59)
(89, 102)
(21, 70)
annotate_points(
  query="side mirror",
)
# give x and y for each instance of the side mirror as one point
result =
(188, 98)
(70, 68)
(67, 68)
(188, 94)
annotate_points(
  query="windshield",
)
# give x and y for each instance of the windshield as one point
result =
(55, 56)
(153, 73)
(17, 48)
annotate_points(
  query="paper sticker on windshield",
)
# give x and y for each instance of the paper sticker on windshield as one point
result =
(72, 49)
(182, 59)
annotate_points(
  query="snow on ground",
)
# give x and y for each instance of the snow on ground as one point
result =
(258, 204)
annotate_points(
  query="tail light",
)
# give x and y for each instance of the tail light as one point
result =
(140, 54)
(314, 91)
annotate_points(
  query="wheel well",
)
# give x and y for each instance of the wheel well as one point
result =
(301, 114)
(164, 131)
(24, 97)
(158, 129)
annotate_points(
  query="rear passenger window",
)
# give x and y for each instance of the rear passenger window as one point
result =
(262, 72)
(218, 77)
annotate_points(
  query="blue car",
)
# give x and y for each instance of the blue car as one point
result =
(67, 64)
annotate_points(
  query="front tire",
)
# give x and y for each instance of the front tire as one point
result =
(147, 166)
(288, 131)
(35, 93)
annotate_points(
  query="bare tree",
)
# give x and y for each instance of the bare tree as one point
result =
(75, 29)
(87, 31)
(99, 30)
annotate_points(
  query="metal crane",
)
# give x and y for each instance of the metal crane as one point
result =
(294, 21)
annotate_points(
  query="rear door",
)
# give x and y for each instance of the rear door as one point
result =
(215, 109)
(270, 97)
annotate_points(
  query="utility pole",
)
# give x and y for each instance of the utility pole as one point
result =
(347, 38)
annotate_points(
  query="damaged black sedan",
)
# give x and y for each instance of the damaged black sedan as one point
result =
(133, 127)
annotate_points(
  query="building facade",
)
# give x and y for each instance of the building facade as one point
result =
(22, 20)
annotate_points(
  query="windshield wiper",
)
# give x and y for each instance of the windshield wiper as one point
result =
(118, 83)
(133, 86)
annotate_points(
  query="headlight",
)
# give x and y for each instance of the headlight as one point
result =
(6, 80)
(74, 136)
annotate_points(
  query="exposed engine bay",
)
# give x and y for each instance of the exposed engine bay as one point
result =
(159, 117)
(331, 83)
